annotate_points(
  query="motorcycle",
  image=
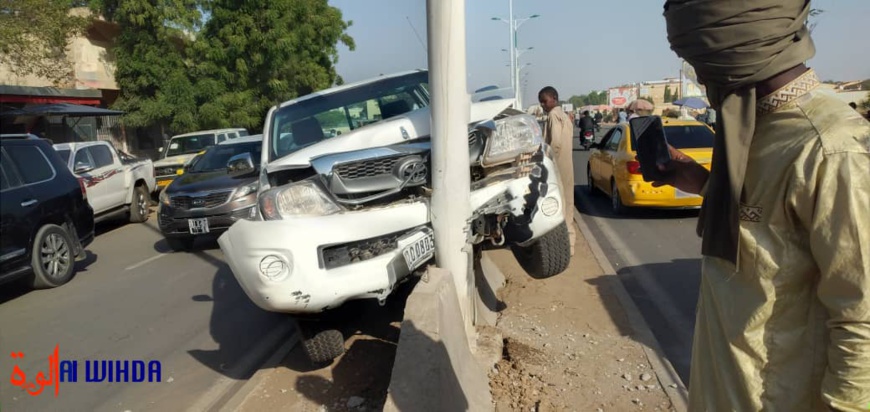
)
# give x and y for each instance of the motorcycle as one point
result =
(587, 138)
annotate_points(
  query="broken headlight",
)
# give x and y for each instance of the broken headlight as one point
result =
(304, 198)
(513, 136)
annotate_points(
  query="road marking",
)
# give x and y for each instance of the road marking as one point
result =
(145, 262)
(677, 321)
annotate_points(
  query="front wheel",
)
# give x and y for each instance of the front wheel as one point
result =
(548, 256)
(139, 205)
(322, 346)
(52, 258)
(590, 183)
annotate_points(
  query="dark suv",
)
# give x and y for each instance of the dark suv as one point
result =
(45, 218)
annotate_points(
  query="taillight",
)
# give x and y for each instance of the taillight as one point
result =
(633, 167)
(587, 134)
(84, 189)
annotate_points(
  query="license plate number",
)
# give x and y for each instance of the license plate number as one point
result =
(198, 226)
(419, 251)
(679, 194)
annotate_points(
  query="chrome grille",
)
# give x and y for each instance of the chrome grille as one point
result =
(368, 168)
(205, 201)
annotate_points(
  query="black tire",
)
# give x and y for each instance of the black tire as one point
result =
(324, 346)
(53, 257)
(615, 200)
(590, 185)
(139, 205)
(548, 256)
(180, 244)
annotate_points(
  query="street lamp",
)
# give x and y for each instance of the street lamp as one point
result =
(514, 25)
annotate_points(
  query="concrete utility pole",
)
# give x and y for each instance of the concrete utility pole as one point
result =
(451, 175)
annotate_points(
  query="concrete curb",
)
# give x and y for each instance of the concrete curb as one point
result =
(655, 355)
(230, 394)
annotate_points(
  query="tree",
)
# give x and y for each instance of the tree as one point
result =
(814, 14)
(668, 98)
(151, 60)
(35, 35)
(252, 54)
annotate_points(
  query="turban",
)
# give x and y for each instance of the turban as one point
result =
(733, 45)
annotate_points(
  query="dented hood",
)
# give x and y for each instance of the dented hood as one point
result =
(395, 130)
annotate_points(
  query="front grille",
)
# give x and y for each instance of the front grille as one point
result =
(368, 168)
(166, 170)
(359, 251)
(195, 202)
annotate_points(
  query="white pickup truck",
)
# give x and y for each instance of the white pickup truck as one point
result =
(116, 183)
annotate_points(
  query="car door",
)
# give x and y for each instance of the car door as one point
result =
(15, 203)
(111, 175)
(609, 156)
(595, 158)
(84, 167)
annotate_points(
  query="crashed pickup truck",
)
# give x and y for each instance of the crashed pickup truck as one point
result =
(344, 194)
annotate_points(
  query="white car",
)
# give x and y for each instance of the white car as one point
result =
(117, 184)
(347, 217)
(183, 148)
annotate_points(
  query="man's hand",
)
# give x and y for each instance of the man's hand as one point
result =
(683, 172)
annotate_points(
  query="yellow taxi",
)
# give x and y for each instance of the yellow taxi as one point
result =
(613, 167)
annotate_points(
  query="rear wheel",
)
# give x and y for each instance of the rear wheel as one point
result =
(548, 256)
(139, 205)
(615, 200)
(322, 346)
(590, 184)
(180, 244)
(53, 257)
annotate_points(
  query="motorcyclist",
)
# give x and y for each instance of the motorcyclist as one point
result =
(586, 124)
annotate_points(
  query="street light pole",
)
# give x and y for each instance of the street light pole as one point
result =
(514, 25)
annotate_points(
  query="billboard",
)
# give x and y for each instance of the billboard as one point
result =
(689, 85)
(619, 97)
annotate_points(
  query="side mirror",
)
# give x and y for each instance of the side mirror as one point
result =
(240, 165)
(82, 167)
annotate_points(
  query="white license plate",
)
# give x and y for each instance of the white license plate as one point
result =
(198, 226)
(421, 249)
(679, 194)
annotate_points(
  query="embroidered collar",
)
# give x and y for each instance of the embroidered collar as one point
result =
(788, 93)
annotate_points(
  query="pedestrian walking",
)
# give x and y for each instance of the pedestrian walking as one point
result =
(623, 117)
(559, 133)
(783, 319)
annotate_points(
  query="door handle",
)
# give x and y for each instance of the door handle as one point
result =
(28, 203)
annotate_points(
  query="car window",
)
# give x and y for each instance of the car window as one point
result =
(234, 135)
(606, 138)
(64, 154)
(101, 156)
(221, 137)
(323, 117)
(189, 144)
(243, 132)
(694, 136)
(31, 163)
(8, 178)
(216, 157)
(615, 138)
(83, 158)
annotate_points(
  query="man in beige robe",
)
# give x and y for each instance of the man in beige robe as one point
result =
(783, 319)
(559, 134)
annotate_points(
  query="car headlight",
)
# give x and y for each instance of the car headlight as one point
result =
(246, 190)
(303, 198)
(164, 198)
(513, 136)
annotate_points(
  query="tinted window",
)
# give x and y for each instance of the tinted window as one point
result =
(615, 138)
(31, 163)
(189, 144)
(686, 137)
(102, 156)
(83, 159)
(243, 132)
(64, 154)
(221, 137)
(7, 177)
(216, 158)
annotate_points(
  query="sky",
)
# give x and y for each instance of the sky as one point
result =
(578, 46)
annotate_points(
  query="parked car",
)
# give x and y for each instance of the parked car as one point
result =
(347, 217)
(118, 184)
(184, 147)
(613, 167)
(45, 219)
(212, 194)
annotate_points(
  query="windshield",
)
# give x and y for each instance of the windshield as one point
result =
(189, 144)
(686, 137)
(216, 157)
(324, 117)
(64, 154)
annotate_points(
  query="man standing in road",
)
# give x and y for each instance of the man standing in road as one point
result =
(559, 133)
(783, 317)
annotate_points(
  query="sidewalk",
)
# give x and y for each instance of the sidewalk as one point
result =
(571, 345)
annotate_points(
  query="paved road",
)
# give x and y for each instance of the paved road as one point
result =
(133, 300)
(657, 256)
